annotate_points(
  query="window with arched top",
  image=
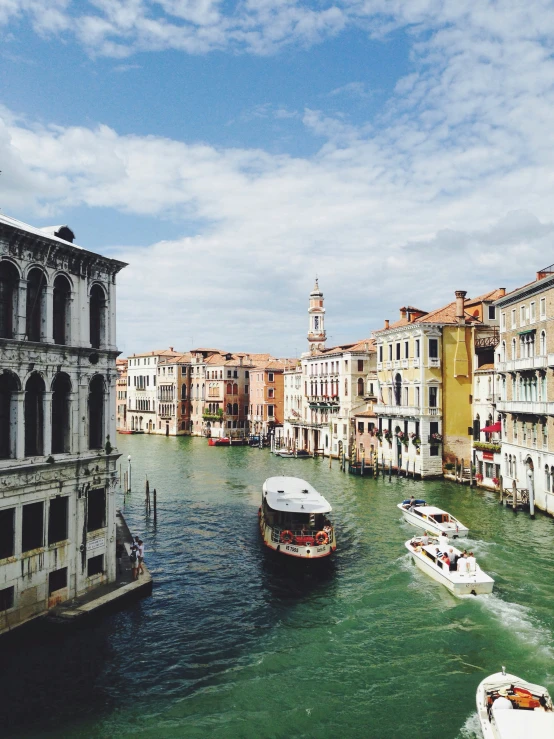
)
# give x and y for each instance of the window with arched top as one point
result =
(97, 316)
(9, 280)
(96, 413)
(229, 388)
(61, 413)
(360, 386)
(235, 389)
(503, 352)
(60, 310)
(9, 385)
(34, 415)
(36, 303)
(543, 343)
(547, 478)
(229, 409)
(235, 409)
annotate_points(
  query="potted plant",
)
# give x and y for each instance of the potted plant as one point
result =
(435, 438)
(479, 477)
(388, 435)
(495, 481)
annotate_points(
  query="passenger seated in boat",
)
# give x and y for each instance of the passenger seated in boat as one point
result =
(502, 702)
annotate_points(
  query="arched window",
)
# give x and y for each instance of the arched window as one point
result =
(34, 415)
(96, 413)
(97, 316)
(514, 349)
(235, 409)
(183, 392)
(8, 386)
(61, 414)
(36, 297)
(229, 388)
(542, 351)
(398, 390)
(9, 279)
(229, 409)
(235, 389)
(546, 478)
(61, 325)
(503, 352)
(360, 386)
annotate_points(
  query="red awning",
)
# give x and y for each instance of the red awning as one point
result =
(494, 429)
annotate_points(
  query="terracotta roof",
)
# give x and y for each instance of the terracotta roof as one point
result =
(488, 366)
(365, 414)
(446, 314)
(186, 357)
(491, 295)
(401, 322)
(158, 353)
(365, 345)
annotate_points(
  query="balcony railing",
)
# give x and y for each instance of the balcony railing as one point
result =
(525, 363)
(434, 362)
(535, 407)
(405, 410)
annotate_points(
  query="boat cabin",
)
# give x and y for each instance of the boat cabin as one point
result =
(293, 506)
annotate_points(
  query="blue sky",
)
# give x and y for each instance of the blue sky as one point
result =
(231, 151)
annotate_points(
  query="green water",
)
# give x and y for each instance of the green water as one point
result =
(239, 642)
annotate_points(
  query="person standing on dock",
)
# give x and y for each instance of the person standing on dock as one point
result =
(140, 556)
(119, 549)
(133, 556)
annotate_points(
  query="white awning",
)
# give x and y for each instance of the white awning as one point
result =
(294, 495)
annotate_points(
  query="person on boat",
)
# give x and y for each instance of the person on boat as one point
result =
(412, 502)
(502, 702)
(453, 560)
(446, 559)
(444, 541)
(425, 539)
(462, 565)
(471, 563)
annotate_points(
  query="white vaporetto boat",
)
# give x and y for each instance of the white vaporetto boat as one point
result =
(431, 519)
(512, 708)
(293, 519)
(467, 583)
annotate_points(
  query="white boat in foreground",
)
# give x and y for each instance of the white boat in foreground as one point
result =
(293, 519)
(470, 583)
(432, 519)
(530, 715)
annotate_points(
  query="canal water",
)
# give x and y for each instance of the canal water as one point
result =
(237, 642)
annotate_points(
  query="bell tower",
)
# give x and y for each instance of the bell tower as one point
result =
(316, 312)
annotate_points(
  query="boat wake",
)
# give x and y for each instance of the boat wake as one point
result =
(472, 728)
(518, 620)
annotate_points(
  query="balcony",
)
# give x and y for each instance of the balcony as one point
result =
(525, 363)
(416, 362)
(405, 363)
(405, 410)
(434, 362)
(536, 407)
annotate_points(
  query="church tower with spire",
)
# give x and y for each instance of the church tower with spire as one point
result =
(316, 312)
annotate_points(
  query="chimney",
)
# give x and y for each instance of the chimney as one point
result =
(170, 348)
(460, 295)
(240, 360)
(386, 322)
(502, 291)
(402, 312)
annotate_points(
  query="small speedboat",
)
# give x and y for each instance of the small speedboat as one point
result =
(432, 519)
(219, 441)
(511, 708)
(284, 453)
(426, 557)
(293, 519)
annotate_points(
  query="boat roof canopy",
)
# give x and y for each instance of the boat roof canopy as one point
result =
(430, 510)
(515, 724)
(294, 495)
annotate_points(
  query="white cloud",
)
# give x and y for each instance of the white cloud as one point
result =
(451, 187)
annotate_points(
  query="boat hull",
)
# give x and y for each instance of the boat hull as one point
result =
(478, 583)
(426, 525)
(309, 552)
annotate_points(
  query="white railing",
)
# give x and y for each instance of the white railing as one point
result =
(525, 406)
(434, 362)
(525, 363)
(405, 363)
(416, 362)
(396, 410)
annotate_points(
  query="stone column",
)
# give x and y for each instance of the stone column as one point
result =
(81, 428)
(20, 317)
(19, 424)
(47, 423)
(47, 327)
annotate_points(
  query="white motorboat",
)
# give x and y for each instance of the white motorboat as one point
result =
(427, 559)
(432, 519)
(512, 708)
(293, 519)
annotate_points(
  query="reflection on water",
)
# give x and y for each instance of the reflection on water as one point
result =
(238, 641)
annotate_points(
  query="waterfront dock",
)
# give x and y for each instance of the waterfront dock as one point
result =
(113, 595)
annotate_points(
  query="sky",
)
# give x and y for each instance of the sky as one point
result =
(229, 152)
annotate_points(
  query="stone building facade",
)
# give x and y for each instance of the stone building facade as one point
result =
(142, 395)
(57, 419)
(173, 396)
(525, 364)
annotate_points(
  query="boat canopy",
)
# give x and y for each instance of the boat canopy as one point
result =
(294, 495)
(429, 510)
(515, 724)
(417, 502)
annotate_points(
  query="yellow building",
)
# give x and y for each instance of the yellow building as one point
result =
(425, 365)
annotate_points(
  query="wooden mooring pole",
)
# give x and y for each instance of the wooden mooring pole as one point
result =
(155, 506)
